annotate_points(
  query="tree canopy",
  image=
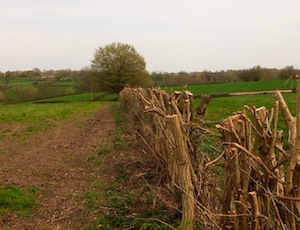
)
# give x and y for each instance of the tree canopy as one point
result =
(117, 65)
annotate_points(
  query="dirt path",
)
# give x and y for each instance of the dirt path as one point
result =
(56, 162)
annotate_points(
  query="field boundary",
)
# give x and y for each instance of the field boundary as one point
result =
(251, 178)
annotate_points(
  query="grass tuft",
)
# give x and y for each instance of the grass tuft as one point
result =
(16, 200)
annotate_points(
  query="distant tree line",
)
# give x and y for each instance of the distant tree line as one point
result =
(256, 73)
(84, 80)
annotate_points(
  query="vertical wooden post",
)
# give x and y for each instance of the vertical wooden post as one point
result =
(288, 118)
(237, 188)
(200, 111)
(184, 168)
(255, 211)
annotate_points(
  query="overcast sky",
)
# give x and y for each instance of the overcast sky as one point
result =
(172, 35)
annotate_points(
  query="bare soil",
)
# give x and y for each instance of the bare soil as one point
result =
(57, 163)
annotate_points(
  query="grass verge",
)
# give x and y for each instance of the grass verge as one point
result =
(125, 200)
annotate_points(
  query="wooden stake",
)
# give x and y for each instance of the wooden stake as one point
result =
(183, 165)
(288, 118)
(255, 210)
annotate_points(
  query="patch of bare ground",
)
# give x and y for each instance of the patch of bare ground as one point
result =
(57, 163)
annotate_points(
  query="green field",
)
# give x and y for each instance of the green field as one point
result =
(48, 90)
(239, 87)
(222, 107)
(98, 96)
(74, 97)
(27, 82)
